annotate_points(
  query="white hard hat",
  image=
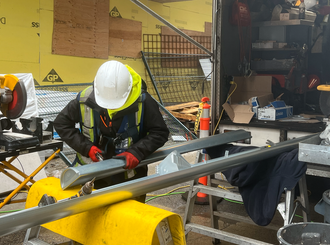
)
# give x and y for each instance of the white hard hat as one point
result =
(112, 85)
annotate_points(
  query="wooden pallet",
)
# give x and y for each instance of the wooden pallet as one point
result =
(185, 111)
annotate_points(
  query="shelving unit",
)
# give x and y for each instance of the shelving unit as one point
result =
(279, 60)
(275, 49)
(284, 23)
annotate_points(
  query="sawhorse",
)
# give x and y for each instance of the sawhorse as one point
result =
(6, 165)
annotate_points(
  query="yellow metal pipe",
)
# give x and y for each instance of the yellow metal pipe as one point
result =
(29, 178)
(17, 201)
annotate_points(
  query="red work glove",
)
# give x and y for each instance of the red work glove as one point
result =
(92, 153)
(131, 160)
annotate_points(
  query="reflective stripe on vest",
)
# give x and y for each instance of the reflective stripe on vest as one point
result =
(87, 121)
(87, 118)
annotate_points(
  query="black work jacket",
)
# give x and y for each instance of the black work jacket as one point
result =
(154, 132)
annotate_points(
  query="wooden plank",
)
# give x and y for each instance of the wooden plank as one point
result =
(192, 110)
(182, 106)
(184, 116)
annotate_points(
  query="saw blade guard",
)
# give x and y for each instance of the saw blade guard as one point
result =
(17, 106)
(13, 96)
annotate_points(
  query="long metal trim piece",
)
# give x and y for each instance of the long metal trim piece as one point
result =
(181, 33)
(39, 215)
(80, 175)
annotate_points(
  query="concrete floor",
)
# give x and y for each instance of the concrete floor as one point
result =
(201, 214)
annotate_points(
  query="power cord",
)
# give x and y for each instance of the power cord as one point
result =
(215, 128)
(167, 193)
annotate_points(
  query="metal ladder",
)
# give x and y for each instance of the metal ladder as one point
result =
(286, 209)
(32, 238)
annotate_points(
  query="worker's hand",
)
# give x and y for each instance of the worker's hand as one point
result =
(92, 153)
(131, 160)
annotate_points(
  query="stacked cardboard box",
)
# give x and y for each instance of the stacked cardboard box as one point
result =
(253, 97)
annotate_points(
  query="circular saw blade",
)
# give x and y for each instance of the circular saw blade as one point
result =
(325, 103)
(17, 106)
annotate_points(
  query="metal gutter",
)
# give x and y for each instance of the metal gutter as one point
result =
(81, 174)
(39, 215)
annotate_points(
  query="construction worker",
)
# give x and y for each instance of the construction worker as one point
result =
(117, 118)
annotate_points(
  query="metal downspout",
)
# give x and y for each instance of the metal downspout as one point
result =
(181, 33)
(81, 174)
(39, 215)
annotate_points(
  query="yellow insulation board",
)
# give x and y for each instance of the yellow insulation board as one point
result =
(26, 29)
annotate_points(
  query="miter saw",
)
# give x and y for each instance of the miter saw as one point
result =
(13, 98)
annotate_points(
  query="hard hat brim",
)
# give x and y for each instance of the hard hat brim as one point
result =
(111, 104)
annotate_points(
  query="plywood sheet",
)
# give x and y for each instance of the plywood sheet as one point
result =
(125, 37)
(81, 28)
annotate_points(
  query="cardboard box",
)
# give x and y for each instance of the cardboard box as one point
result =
(255, 88)
(239, 113)
(276, 110)
(255, 105)
(260, 101)
(284, 16)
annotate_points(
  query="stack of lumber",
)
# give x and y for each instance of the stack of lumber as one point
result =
(184, 112)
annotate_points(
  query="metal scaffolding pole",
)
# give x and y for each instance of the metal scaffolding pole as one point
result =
(39, 215)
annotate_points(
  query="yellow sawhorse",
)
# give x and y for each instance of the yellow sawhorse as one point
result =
(128, 222)
(4, 165)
